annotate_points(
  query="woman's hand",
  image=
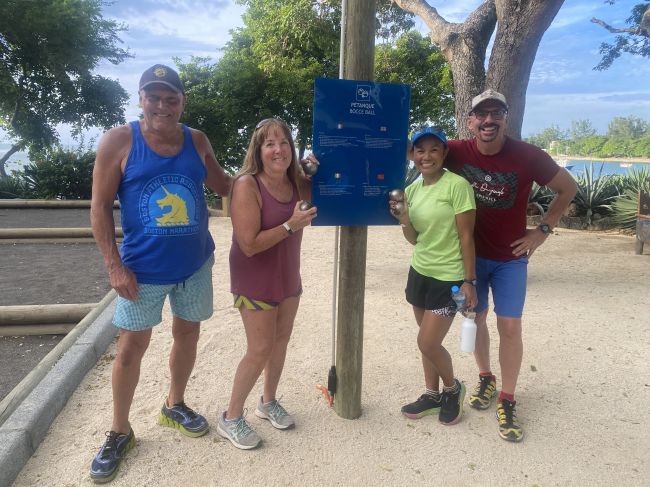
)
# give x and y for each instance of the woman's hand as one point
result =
(471, 300)
(309, 166)
(399, 210)
(301, 218)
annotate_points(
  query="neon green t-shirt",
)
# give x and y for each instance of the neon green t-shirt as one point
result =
(432, 211)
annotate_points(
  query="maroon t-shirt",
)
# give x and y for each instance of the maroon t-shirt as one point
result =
(272, 275)
(502, 184)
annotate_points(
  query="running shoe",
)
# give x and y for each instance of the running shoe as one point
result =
(509, 428)
(425, 405)
(275, 413)
(107, 461)
(184, 419)
(451, 404)
(239, 432)
(484, 392)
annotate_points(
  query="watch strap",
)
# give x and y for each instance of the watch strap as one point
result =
(287, 228)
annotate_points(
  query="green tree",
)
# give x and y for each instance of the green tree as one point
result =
(48, 50)
(415, 60)
(269, 65)
(519, 26)
(627, 127)
(634, 39)
(581, 129)
(550, 139)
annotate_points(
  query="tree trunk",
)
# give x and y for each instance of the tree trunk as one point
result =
(520, 27)
(14, 148)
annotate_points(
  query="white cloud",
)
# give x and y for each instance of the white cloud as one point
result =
(206, 23)
(544, 110)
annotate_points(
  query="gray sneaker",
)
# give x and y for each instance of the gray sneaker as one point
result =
(238, 432)
(275, 413)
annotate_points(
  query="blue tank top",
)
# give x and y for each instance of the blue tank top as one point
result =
(163, 210)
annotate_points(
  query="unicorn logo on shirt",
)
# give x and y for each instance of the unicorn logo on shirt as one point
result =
(177, 214)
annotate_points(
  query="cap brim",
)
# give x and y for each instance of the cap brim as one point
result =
(164, 83)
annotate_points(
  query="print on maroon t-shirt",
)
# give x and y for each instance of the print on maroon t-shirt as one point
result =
(492, 189)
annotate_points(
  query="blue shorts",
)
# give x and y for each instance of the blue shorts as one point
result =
(508, 283)
(190, 300)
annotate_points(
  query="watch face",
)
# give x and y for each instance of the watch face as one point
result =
(545, 228)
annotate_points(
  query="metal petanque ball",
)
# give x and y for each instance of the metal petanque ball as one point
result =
(396, 195)
(305, 205)
(310, 168)
(399, 208)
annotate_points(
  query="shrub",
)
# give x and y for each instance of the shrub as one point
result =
(595, 191)
(60, 174)
(13, 187)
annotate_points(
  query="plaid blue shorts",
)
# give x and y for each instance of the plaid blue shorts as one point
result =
(190, 300)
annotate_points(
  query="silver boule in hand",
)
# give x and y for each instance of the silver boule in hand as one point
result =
(396, 195)
(310, 168)
(399, 208)
(305, 205)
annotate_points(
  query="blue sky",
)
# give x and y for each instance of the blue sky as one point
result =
(563, 86)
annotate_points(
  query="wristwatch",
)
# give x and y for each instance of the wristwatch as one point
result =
(545, 228)
(287, 228)
(470, 281)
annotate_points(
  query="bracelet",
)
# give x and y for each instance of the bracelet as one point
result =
(287, 228)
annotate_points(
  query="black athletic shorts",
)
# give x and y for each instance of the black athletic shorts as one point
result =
(431, 294)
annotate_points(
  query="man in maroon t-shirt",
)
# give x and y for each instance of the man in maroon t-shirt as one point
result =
(502, 171)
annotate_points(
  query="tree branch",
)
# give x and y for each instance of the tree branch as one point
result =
(613, 30)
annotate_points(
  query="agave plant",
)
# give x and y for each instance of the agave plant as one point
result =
(624, 208)
(595, 191)
(539, 198)
(12, 187)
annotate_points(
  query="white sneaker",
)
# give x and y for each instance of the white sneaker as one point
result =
(238, 432)
(275, 413)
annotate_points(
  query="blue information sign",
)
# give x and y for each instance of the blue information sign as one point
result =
(360, 133)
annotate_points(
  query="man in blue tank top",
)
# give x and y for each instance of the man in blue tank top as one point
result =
(156, 167)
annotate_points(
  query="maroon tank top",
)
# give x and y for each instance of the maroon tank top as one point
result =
(272, 275)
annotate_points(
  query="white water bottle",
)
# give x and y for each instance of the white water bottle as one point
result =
(468, 333)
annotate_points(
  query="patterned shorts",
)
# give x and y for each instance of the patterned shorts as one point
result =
(190, 300)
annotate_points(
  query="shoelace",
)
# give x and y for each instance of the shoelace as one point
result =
(242, 429)
(110, 444)
(185, 409)
(507, 414)
(276, 410)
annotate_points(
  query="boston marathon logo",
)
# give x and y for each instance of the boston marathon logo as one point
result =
(168, 206)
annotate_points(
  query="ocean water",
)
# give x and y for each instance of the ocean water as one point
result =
(577, 167)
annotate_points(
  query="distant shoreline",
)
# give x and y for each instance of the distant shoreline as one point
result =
(625, 160)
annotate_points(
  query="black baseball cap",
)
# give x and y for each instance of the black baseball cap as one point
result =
(162, 75)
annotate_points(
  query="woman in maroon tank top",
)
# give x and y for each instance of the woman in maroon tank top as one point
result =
(265, 271)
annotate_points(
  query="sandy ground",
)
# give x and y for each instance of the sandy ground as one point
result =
(44, 273)
(582, 395)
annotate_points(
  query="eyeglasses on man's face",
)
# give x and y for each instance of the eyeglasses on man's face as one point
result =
(496, 114)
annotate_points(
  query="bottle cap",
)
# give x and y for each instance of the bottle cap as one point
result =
(455, 289)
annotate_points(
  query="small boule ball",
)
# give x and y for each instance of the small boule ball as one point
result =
(396, 195)
(399, 208)
(305, 205)
(310, 168)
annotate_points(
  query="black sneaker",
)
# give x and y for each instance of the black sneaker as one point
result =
(424, 406)
(484, 392)
(451, 407)
(107, 461)
(509, 429)
(184, 419)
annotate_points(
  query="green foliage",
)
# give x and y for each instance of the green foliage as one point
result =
(595, 191)
(59, 174)
(624, 208)
(12, 187)
(269, 65)
(548, 139)
(626, 137)
(48, 50)
(635, 41)
(540, 197)
(414, 60)
(630, 127)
